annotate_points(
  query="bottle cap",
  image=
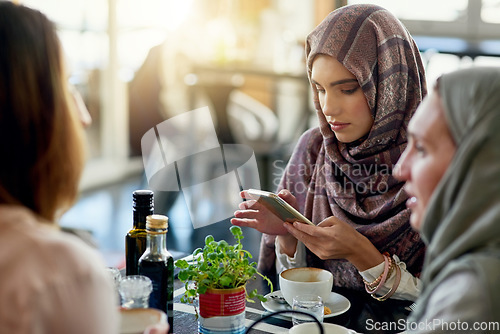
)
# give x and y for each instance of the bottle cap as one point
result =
(157, 222)
(143, 198)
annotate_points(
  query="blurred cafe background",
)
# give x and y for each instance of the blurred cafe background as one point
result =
(138, 63)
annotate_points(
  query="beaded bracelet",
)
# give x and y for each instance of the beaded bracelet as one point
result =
(374, 284)
(379, 282)
(372, 288)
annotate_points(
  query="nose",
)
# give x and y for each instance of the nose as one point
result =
(330, 106)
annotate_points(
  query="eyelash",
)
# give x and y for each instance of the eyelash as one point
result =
(417, 147)
(350, 91)
(420, 149)
(344, 91)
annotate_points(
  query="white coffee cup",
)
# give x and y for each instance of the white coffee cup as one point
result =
(312, 328)
(312, 281)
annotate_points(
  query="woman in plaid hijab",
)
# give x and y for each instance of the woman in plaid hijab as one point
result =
(340, 174)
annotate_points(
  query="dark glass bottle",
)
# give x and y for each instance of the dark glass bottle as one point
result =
(158, 264)
(135, 240)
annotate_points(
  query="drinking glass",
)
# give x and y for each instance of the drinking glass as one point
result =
(116, 276)
(311, 304)
(135, 290)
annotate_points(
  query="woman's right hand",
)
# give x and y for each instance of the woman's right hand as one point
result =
(255, 215)
(157, 329)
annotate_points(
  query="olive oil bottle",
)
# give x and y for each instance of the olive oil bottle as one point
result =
(135, 240)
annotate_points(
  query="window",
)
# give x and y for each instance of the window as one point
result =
(455, 33)
(105, 42)
(472, 20)
(443, 10)
(490, 11)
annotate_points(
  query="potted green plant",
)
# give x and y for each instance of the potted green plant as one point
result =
(217, 276)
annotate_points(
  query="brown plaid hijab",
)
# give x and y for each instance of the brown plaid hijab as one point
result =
(354, 181)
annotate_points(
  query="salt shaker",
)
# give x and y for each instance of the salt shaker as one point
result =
(134, 291)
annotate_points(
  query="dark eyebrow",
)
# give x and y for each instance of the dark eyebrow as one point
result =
(338, 82)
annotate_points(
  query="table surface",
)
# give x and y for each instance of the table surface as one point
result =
(365, 315)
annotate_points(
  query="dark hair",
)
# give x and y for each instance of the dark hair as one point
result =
(42, 147)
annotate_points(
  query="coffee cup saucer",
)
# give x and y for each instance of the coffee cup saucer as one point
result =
(337, 304)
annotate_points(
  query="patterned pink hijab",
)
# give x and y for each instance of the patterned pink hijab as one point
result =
(354, 181)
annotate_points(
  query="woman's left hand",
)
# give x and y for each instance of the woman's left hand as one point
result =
(335, 239)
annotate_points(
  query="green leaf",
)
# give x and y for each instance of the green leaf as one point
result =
(226, 281)
(205, 282)
(220, 272)
(251, 271)
(183, 264)
(235, 230)
(209, 239)
(183, 275)
(261, 298)
(252, 293)
(202, 289)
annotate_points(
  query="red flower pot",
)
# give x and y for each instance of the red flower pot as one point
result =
(222, 302)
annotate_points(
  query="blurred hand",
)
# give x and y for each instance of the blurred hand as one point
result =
(255, 215)
(157, 329)
(335, 239)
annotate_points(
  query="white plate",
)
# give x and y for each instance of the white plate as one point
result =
(337, 303)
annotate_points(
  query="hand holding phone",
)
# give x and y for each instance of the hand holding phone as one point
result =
(278, 206)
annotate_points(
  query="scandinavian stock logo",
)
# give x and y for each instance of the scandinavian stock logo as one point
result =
(183, 154)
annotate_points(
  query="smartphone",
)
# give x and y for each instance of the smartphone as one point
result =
(278, 206)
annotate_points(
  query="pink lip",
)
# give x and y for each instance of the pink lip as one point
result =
(337, 126)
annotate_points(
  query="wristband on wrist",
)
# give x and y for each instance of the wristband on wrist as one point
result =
(376, 285)
(393, 288)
